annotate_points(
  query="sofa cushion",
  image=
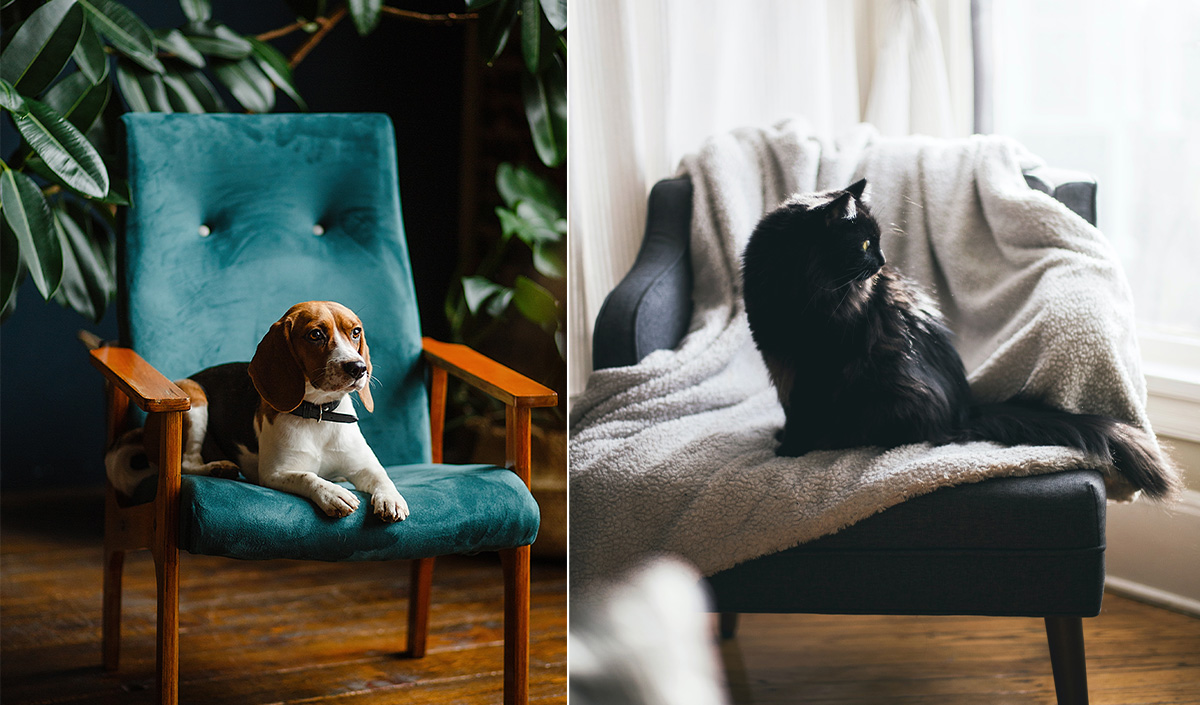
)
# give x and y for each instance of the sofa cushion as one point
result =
(454, 509)
(1029, 546)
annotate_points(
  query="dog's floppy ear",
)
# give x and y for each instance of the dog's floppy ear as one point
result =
(365, 393)
(274, 370)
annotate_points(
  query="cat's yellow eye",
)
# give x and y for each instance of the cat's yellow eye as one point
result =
(866, 244)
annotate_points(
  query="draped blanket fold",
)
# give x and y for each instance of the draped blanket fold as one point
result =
(675, 455)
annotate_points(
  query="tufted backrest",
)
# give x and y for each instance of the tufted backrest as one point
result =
(237, 217)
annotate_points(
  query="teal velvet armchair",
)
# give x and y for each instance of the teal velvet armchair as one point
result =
(234, 219)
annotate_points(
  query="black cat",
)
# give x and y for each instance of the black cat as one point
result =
(867, 358)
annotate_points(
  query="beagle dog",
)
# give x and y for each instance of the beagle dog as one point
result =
(285, 419)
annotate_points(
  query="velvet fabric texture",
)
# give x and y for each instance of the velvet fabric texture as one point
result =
(455, 509)
(236, 218)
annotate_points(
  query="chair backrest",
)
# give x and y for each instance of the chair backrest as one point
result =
(235, 218)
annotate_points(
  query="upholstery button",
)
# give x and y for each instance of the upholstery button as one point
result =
(318, 229)
(205, 231)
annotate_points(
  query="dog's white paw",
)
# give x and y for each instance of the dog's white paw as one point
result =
(390, 506)
(337, 501)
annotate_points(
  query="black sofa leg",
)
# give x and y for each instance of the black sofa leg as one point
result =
(728, 624)
(1065, 635)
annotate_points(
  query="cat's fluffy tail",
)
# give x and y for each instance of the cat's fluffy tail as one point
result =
(1131, 450)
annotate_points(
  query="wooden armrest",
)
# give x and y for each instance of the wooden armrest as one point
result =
(146, 386)
(509, 386)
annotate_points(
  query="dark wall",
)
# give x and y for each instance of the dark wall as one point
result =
(51, 399)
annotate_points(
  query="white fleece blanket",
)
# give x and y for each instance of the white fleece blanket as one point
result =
(675, 455)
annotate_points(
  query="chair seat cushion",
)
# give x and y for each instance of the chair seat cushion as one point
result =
(1005, 546)
(454, 509)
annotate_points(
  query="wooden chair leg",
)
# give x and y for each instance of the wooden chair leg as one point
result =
(114, 564)
(418, 606)
(166, 568)
(166, 555)
(728, 624)
(1065, 636)
(516, 625)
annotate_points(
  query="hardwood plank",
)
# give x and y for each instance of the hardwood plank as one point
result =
(1135, 653)
(255, 632)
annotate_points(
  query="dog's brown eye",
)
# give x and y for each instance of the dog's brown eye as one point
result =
(316, 335)
(356, 332)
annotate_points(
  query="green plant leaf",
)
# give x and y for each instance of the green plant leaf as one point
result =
(86, 287)
(545, 97)
(196, 10)
(539, 223)
(556, 13)
(217, 40)
(531, 36)
(10, 266)
(41, 46)
(63, 147)
(365, 14)
(538, 38)
(11, 100)
(535, 302)
(180, 94)
(203, 90)
(518, 183)
(509, 223)
(118, 190)
(275, 66)
(248, 84)
(496, 23)
(478, 291)
(89, 54)
(27, 214)
(128, 34)
(172, 41)
(548, 261)
(143, 91)
(78, 100)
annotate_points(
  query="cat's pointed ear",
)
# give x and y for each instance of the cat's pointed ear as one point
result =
(857, 188)
(841, 208)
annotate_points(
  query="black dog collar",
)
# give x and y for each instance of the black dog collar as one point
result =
(322, 412)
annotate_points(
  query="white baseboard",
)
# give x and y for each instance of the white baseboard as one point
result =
(1153, 553)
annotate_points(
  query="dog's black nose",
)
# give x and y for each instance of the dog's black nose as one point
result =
(355, 369)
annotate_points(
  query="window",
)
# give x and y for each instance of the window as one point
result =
(1112, 87)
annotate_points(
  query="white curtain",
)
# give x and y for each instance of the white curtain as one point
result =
(648, 80)
(1112, 87)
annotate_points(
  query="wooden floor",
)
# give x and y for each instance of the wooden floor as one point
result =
(256, 631)
(1135, 654)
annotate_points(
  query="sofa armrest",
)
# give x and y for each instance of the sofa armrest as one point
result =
(1074, 189)
(138, 379)
(651, 307)
(487, 375)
